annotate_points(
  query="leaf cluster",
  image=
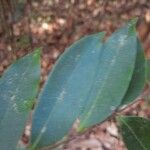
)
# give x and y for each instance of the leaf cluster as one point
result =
(89, 82)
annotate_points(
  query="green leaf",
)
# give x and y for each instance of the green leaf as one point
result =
(18, 89)
(138, 79)
(135, 132)
(65, 93)
(148, 70)
(113, 77)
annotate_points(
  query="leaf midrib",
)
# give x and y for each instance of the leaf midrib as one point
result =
(45, 124)
(102, 87)
(134, 134)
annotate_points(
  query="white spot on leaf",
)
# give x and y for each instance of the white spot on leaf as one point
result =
(61, 95)
(112, 108)
(43, 130)
(122, 40)
(13, 98)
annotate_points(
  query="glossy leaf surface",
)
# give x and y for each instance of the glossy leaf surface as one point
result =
(65, 93)
(135, 132)
(18, 89)
(138, 79)
(113, 77)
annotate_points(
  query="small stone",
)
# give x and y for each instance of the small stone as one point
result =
(112, 129)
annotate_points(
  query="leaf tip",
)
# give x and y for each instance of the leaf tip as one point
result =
(132, 25)
(102, 35)
(119, 118)
(37, 52)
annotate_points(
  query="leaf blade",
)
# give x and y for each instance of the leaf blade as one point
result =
(135, 130)
(117, 65)
(66, 90)
(138, 79)
(18, 87)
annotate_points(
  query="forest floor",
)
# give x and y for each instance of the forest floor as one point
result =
(56, 24)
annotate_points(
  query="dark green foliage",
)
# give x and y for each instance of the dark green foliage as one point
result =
(135, 132)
